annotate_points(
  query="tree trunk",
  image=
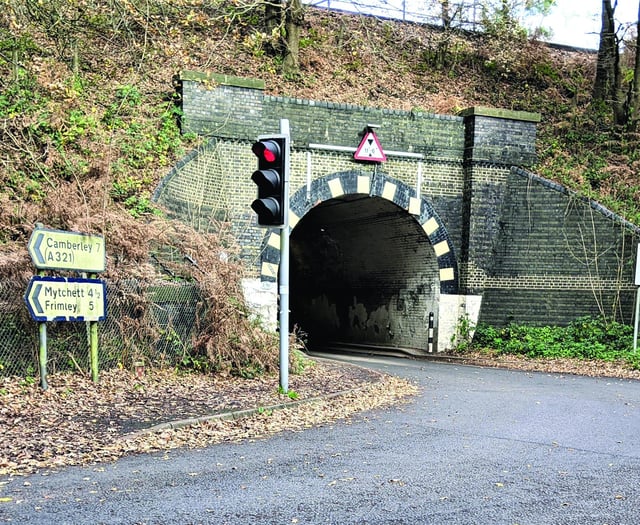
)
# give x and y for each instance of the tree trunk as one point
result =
(633, 110)
(445, 14)
(294, 17)
(75, 57)
(15, 63)
(607, 51)
(608, 83)
(272, 15)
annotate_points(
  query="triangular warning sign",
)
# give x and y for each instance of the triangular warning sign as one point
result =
(370, 149)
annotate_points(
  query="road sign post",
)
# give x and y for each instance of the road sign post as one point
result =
(272, 206)
(284, 267)
(66, 299)
(42, 351)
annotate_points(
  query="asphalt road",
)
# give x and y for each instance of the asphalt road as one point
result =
(478, 446)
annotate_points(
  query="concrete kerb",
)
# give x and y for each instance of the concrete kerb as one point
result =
(246, 412)
(234, 415)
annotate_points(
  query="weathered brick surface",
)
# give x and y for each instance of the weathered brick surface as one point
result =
(534, 251)
(571, 254)
(499, 136)
(548, 306)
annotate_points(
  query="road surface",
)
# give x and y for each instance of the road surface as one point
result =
(477, 446)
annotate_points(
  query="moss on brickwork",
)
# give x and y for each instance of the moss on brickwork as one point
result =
(514, 236)
(506, 114)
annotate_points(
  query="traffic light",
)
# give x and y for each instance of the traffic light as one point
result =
(270, 179)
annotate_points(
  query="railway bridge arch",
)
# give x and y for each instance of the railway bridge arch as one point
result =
(452, 226)
(370, 262)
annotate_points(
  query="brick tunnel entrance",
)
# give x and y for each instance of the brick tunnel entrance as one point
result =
(363, 272)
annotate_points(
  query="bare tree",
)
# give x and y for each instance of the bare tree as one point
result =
(445, 10)
(634, 91)
(607, 86)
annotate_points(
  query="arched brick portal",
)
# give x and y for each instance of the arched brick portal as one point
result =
(369, 262)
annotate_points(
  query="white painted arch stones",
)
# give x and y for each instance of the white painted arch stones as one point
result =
(375, 185)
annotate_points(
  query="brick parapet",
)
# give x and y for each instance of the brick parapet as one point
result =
(513, 234)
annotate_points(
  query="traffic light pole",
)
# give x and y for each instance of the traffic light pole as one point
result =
(284, 269)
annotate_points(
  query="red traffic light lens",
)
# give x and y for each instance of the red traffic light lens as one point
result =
(268, 155)
(267, 150)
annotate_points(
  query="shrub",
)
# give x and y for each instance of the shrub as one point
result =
(584, 338)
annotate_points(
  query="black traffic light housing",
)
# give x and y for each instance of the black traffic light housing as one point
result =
(270, 178)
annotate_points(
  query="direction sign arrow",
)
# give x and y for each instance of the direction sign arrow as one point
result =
(63, 250)
(66, 299)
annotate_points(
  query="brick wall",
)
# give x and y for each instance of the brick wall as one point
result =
(530, 250)
(557, 256)
(242, 111)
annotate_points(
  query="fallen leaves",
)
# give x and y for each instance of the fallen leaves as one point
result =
(584, 367)
(78, 422)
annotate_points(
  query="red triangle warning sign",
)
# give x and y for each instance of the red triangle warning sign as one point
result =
(370, 149)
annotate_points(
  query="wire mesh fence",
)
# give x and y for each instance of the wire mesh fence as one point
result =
(151, 323)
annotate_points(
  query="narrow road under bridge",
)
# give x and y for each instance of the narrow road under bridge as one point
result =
(363, 272)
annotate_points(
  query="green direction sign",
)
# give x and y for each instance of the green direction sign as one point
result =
(66, 299)
(62, 250)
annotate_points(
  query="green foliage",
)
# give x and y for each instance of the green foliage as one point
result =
(545, 71)
(126, 100)
(23, 186)
(256, 42)
(139, 205)
(501, 22)
(143, 143)
(78, 125)
(11, 43)
(130, 191)
(291, 394)
(299, 362)
(21, 98)
(237, 14)
(24, 117)
(585, 338)
(191, 363)
(168, 141)
(463, 334)
(125, 187)
(248, 369)
(313, 39)
(28, 380)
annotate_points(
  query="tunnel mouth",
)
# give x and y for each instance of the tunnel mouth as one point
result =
(363, 274)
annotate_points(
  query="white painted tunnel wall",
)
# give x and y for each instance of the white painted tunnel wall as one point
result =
(453, 308)
(262, 300)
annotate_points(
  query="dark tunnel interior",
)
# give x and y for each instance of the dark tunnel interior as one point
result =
(362, 272)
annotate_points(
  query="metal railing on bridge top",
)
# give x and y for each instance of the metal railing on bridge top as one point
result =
(464, 15)
(467, 15)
